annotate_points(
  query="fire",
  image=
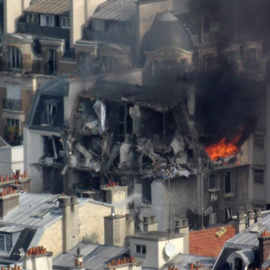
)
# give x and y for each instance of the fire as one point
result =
(223, 148)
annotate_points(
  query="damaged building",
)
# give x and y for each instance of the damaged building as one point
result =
(144, 128)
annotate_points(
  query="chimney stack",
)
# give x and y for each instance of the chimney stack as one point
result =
(240, 221)
(70, 222)
(37, 258)
(181, 226)
(251, 217)
(264, 247)
(9, 199)
(258, 214)
(115, 229)
(150, 224)
(130, 227)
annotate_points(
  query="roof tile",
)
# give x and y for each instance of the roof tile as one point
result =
(205, 242)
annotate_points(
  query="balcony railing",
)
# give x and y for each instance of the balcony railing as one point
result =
(12, 104)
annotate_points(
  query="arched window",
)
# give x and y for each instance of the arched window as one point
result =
(14, 58)
(238, 264)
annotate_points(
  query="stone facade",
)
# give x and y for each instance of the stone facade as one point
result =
(52, 238)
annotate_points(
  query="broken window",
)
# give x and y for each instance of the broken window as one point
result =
(259, 141)
(259, 177)
(53, 149)
(49, 115)
(228, 182)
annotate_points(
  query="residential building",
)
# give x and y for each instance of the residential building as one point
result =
(247, 250)
(56, 222)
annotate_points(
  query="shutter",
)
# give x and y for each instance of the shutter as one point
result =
(57, 21)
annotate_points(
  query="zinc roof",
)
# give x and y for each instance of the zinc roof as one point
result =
(249, 237)
(119, 10)
(95, 257)
(49, 7)
(39, 210)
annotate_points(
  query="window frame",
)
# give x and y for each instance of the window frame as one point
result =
(7, 246)
(141, 249)
(14, 58)
(258, 179)
(229, 216)
(258, 141)
(65, 22)
(228, 193)
(216, 187)
(47, 20)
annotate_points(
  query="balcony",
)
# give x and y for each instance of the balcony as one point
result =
(12, 104)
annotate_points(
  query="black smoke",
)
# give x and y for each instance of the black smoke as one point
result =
(226, 105)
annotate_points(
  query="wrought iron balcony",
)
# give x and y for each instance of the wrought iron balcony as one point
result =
(12, 104)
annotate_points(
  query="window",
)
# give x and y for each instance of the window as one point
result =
(210, 62)
(65, 22)
(259, 141)
(14, 58)
(228, 213)
(5, 242)
(51, 112)
(32, 18)
(12, 122)
(141, 249)
(228, 182)
(213, 181)
(47, 20)
(259, 177)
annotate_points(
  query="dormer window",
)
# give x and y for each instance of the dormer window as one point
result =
(47, 20)
(5, 242)
(32, 18)
(65, 22)
(49, 115)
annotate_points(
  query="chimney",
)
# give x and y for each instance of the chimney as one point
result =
(115, 229)
(9, 199)
(130, 228)
(181, 226)
(264, 247)
(116, 195)
(124, 263)
(150, 224)
(70, 222)
(37, 258)
(78, 259)
(258, 214)
(240, 221)
(251, 218)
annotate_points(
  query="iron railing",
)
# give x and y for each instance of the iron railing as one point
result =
(12, 104)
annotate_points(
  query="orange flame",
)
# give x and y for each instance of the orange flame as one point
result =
(223, 148)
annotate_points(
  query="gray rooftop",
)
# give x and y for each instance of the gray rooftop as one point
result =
(183, 261)
(249, 237)
(49, 7)
(95, 257)
(39, 210)
(119, 10)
